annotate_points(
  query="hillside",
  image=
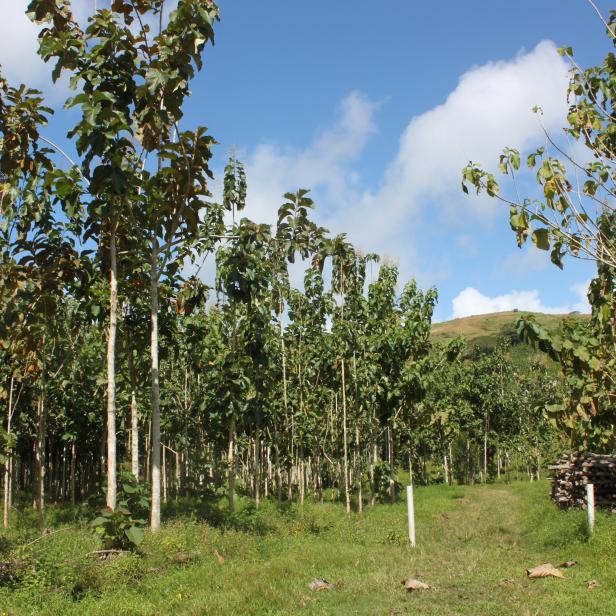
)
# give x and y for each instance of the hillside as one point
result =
(485, 329)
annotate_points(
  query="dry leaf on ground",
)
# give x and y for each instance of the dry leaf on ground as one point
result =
(506, 582)
(542, 571)
(411, 584)
(592, 584)
(321, 584)
(219, 557)
(567, 564)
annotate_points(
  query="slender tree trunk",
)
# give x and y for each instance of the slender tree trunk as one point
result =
(63, 482)
(40, 451)
(111, 379)
(290, 481)
(231, 465)
(286, 410)
(278, 472)
(155, 443)
(358, 473)
(257, 468)
(347, 495)
(302, 476)
(375, 460)
(73, 463)
(469, 461)
(134, 418)
(147, 451)
(164, 473)
(178, 475)
(391, 458)
(485, 451)
(7, 464)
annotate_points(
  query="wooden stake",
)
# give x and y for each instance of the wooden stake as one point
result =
(411, 514)
(590, 505)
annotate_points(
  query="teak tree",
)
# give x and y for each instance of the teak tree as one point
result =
(145, 177)
(574, 216)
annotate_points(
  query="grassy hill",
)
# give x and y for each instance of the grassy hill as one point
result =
(485, 329)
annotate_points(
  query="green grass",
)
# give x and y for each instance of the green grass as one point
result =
(474, 544)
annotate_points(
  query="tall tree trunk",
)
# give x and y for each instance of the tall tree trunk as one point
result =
(7, 464)
(164, 473)
(375, 459)
(63, 482)
(134, 417)
(286, 409)
(40, 448)
(111, 379)
(155, 443)
(231, 465)
(392, 471)
(73, 463)
(178, 475)
(278, 472)
(358, 473)
(257, 468)
(485, 450)
(347, 495)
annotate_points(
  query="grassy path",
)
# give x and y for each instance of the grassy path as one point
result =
(474, 546)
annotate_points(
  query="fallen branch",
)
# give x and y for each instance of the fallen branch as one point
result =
(45, 534)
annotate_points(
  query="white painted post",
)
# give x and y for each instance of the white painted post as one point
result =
(411, 513)
(590, 505)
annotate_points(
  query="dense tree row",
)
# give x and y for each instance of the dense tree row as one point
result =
(112, 355)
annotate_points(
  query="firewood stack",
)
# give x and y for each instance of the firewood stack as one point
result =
(571, 474)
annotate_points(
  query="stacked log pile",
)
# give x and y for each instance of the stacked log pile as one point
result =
(571, 474)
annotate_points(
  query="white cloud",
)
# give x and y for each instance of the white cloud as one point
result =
(470, 302)
(530, 260)
(19, 45)
(324, 165)
(490, 108)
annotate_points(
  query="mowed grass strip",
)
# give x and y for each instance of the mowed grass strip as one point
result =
(474, 544)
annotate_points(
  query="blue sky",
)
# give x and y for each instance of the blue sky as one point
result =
(376, 107)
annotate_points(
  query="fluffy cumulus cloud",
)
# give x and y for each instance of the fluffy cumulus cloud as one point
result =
(470, 301)
(490, 108)
(325, 165)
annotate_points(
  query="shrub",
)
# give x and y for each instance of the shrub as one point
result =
(123, 527)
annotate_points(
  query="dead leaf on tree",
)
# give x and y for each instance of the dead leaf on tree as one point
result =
(592, 584)
(411, 584)
(542, 571)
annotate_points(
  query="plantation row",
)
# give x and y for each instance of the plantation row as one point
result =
(113, 355)
(284, 391)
